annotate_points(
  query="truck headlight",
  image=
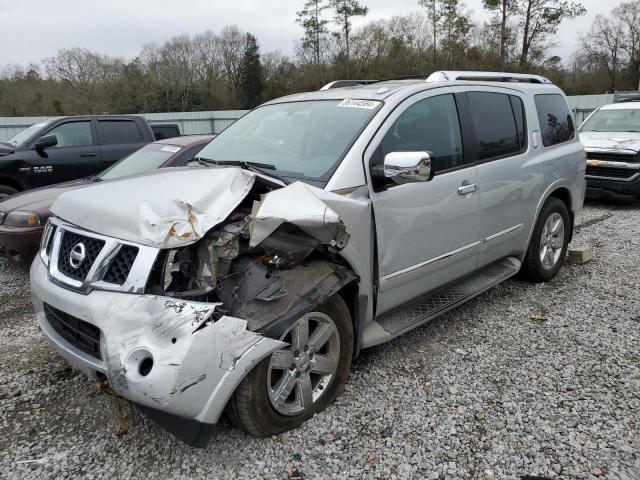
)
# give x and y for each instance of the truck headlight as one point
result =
(22, 218)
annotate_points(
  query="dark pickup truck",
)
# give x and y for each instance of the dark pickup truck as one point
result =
(66, 148)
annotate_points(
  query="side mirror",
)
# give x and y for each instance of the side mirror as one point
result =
(405, 167)
(46, 141)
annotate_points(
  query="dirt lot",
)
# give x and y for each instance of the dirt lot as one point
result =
(485, 391)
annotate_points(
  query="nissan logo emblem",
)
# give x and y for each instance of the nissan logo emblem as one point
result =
(77, 255)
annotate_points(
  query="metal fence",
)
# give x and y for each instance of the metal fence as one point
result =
(189, 122)
(216, 121)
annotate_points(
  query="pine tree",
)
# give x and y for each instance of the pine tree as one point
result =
(250, 74)
(344, 11)
(315, 27)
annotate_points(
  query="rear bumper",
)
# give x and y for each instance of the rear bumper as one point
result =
(197, 362)
(20, 244)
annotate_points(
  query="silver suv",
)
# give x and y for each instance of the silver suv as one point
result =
(315, 226)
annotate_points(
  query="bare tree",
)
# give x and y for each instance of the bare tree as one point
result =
(627, 17)
(603, 46)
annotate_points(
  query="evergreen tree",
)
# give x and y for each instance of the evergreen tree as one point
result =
(344, 11)
(315, 27)
(251, 74)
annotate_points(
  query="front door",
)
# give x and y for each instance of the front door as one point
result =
(427, 232)
(75, 156)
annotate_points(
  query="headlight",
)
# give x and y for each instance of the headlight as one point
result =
(20, 218)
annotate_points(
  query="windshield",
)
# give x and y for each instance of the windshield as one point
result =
(25, 134)
(299, 139)
(147, 158)
(618, 120)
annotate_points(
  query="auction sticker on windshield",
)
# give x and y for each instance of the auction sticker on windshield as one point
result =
(352, 103)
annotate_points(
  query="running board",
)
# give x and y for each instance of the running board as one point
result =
(430, 306)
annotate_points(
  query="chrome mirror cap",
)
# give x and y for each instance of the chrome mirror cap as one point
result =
(404, 167)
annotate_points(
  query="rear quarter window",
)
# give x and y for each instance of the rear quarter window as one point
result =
(118, 131)
(497, 132)
(556, 122)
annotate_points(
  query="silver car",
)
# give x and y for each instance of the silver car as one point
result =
(317, 225)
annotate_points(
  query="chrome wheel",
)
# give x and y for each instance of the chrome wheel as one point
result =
(552, 241)
(299, 374)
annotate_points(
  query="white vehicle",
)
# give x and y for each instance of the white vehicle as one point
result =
(611, 137)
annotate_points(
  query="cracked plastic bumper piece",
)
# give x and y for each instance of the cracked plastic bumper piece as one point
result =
(177, 360)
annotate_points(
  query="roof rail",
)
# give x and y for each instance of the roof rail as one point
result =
(346, 83)
(449, 76)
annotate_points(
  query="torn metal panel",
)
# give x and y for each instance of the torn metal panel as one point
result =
(165, 208)
(299, 204)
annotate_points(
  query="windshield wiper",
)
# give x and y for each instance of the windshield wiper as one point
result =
(200, 161)
(263, 168)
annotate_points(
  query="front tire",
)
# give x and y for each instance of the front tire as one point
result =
(294, 383)
(549, 242)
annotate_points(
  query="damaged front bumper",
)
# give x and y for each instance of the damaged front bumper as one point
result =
(179, 361)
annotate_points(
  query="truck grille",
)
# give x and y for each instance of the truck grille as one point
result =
(92, 248)
(613, 157)
(82, 335)
(121, 265)
(610, 172)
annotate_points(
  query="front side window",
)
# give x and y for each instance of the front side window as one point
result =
(429, 125)
(20, 137)
(72, 134)
(614, 120)
(494, 124)
(118, 131)
(298, 139)
(556, 123)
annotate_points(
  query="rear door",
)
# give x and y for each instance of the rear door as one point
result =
(118, 138)
(75, 156)
(427, 232)
(509, 175)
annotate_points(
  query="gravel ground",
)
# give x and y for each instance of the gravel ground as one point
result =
(485, 391)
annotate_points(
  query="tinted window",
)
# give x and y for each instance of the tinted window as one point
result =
(556, 123)
(521, 120)
(494, 123)
(429, 125)
(120, 131)
(72, 134)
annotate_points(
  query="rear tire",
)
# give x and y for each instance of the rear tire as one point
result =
(5, 191)
(549, 241)
(254, 406)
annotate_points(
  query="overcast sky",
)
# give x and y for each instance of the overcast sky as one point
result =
(36, 29)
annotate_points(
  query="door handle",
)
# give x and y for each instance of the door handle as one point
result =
(466, 189)
(89, 154)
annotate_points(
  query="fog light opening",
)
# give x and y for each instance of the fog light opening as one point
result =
(145, 366)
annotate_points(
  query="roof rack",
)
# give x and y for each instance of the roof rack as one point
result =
(346, 83)
(449, 76)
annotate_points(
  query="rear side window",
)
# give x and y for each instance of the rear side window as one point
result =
(495, 125)
(118, 131)
(556, 123)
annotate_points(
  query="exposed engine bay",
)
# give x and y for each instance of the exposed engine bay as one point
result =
(258, 283)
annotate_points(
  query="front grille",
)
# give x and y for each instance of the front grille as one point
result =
(82, 335)
(613, 157)
(610, 172)
(121, 265)
(92, 246)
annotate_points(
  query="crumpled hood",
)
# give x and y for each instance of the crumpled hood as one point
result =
(165, 208)
(611, 140)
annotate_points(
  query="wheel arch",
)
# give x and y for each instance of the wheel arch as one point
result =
(10, 182)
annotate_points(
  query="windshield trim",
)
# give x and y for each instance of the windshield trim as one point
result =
(324, 179)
